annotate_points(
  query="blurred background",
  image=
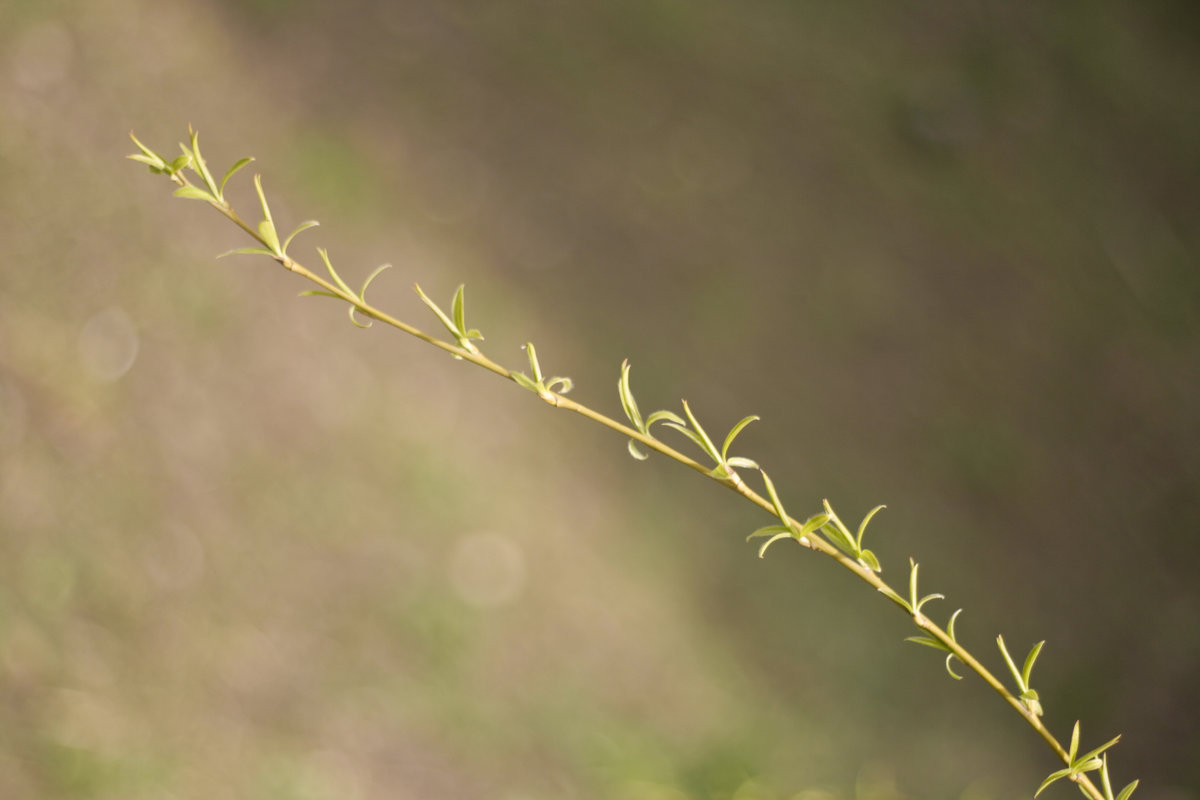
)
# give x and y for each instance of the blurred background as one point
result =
(949, 255)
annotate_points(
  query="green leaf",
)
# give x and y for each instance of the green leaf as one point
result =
(637, 452)
(862, 526)
(449, 323)
(146, 151)
(928, 641)
(316, 292)
(262, 198)
(352, 310)
(1011, 666)
(868, 560)
(247, 251)
(1029, 661)
(241, 162)
(775, 501)
(769, 530)
(742, 463)
(534, 366)
(734, 432)
(891, 594)
(1054, 776)
(333, 272)
(457, 310)
(811, 524)
(839, 537)
(658, 416)
(362, 294)
(687, 432)
(155, 163)
(1127, 791)
(524, 380)
(629, 404)
(786, 534)
(1091, 755)
(266, 230)
(199, 165)
(566, 383)
(194, 193)
(703, 439)
(303, 226)
(1074, 743)
(179, 163)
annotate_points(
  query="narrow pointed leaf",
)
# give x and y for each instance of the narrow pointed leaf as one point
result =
(1092, 754)
(262, 198)
(457, 310)
(1029, 661)
(1054, 776)
(524, 380)
(318, 293)
(1074, 743)
(775, 501)
(927, 598)
(345, 287)
(813, 523)
(200, 166)
(891, 594)
(1011, 666)
(241, 162)
(928, 641)
(868, 560)
(768, 530)
(687, 432)
(627, 402)
(146, 150)
(705, 442)
(354, 319)
(449, 323)
(247, 251)
(762, 551)
(658, 416)
(734, 432)
(637, 452)
(154, 162)
(949, 660)
(534, 366)
(362, 294)
(266, 230)
(194, 193)
(742, 463)
(566, 383)
(862, 526)
(303, 226)
(1127, 791)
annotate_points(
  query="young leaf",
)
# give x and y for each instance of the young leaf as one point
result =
(241, 162)
(733, 434)
(862, 526)
(702, 437)
(194, 193)
(636, 451)
(629, 404)
(1029, 661)
(303, 226)
(779, 512)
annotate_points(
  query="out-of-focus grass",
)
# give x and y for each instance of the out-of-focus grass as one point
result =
(249, 551)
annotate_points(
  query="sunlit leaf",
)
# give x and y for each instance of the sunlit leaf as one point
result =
(524, 380)
(449, 323)
(628, 403)
(868, 560)
(247, 251)
(362, 293)
(637, 452)
(742, 463)
(241, 162)
(862, 526)
(266, 231)
(194, 193)
(704, 441)
(734, 432)
(1127, 791)
(262, 197)
(534, 366)
(333, 273)
(303, 226)
(1029, 661)
(566, 383)
(659, 416)
(457, 310)
(1054, 776)
(775, 501)
(786, 534)
(1012, 667)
